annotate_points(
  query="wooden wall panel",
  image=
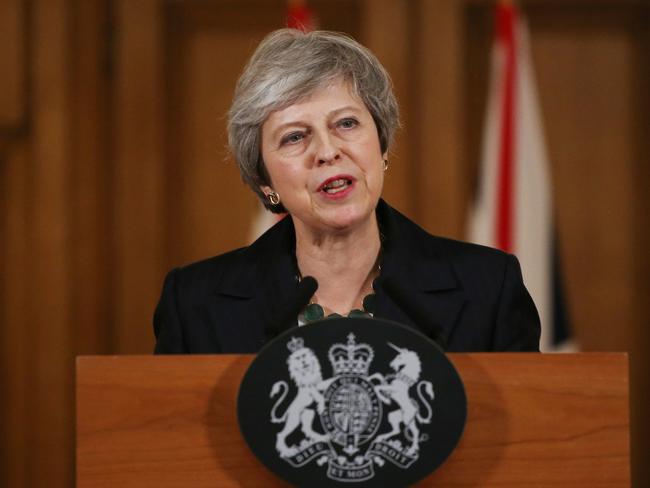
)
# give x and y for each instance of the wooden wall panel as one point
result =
(137, 178)
(592, 142)
(51, 374)
(438, 180)
(12, 64)
(211, 209)
(90, 213)
(14, 352)
(386, 30)
(13, 235)
(44, 196)
(591, 84)
(640, 375)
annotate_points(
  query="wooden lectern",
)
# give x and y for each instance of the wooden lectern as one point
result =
(533, 420)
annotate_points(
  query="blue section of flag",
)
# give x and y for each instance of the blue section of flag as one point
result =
(561, 323)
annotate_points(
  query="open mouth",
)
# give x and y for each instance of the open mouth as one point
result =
(336, 185)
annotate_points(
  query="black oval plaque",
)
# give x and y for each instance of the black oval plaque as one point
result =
(352, 402)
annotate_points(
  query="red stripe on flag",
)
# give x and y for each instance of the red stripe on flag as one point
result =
(505, 30)
(299, 16)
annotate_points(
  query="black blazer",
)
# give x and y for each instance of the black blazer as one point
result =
(474, 295)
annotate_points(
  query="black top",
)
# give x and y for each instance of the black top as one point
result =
(474, 295)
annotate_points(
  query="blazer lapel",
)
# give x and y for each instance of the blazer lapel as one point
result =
(263, 279)
(412, 261)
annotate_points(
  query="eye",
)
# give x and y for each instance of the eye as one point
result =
(347, 123)
(292, 138)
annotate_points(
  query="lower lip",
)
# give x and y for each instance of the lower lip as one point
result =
(339, 194)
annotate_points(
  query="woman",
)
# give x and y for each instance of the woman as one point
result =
(311, 124)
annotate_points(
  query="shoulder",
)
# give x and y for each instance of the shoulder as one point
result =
(436, 262)
(234, 272)
(194, 281)
(460, 253)
(485, 305)
(466, 255)
(210, 269)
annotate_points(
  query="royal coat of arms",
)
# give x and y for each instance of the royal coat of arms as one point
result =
(357, 419)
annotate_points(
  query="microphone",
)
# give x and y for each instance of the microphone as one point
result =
(414, 310)
(299, 300)
(306, 289)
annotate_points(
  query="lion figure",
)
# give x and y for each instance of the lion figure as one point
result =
(305, 371)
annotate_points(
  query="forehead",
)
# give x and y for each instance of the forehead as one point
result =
(320, 102)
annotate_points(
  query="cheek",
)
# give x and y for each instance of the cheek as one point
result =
(372, 160)
(370, 151)
(288, 177)
(277, 171)
(377, 183)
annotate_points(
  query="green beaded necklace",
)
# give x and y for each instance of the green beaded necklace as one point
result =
(314, 311)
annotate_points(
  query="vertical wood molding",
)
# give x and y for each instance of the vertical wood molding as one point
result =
(12, 64)
(14, 352)
(90, 179)
(50, 358)
(139, 173)
(640, 397)
(440, 180)
(386, 31)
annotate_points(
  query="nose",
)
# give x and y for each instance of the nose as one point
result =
(327, 150)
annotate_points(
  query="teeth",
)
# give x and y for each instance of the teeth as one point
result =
(335, 185)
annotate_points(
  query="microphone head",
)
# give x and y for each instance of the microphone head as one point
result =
(298, 301)
(307, 287)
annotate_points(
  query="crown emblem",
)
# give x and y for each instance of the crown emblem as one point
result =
(351, 358)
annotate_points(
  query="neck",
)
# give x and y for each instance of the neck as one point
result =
(344, 264)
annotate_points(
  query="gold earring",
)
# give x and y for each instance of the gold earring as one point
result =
(385, 164)
(274, 198)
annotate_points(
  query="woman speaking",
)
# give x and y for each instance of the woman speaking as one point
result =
(311, 125)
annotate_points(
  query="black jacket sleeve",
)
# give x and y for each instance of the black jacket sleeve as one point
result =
(517, 321)
(166, 321)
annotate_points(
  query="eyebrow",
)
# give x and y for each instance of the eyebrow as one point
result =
(330, 114)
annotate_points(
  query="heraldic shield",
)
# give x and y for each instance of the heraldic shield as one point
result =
(353, 402)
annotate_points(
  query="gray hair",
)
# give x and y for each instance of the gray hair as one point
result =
(288, 66)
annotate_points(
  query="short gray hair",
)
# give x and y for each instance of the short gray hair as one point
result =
(288, 66)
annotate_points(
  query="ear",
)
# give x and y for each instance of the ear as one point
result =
(384, 156)
(266, 189)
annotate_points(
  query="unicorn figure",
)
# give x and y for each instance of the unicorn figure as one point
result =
(395, 388)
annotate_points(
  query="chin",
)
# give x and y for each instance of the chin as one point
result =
(349, 218)
(339, 218)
